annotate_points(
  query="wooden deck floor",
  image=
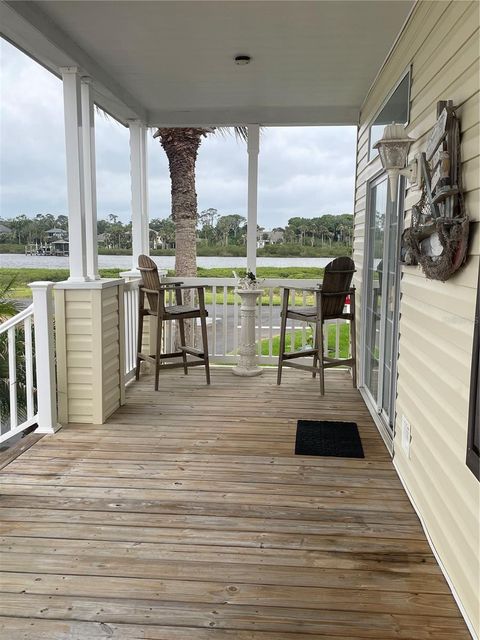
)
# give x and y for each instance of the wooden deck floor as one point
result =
(187, 517)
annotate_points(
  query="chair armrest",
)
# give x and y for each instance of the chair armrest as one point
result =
(185, 286)
(313, 289)
(154, 291)
(338, 293)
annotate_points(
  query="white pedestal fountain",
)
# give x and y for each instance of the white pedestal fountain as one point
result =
(247, 364)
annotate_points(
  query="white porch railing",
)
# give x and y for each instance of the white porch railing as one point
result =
(28, 394)
(18, 409)
(130, 306)
(223, 307)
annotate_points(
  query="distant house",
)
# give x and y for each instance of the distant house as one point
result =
(59, 247)
(277, 236)
(154, 238)
(55, 233)
(4, 230)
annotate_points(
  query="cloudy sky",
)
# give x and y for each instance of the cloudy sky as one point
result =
(306, 171)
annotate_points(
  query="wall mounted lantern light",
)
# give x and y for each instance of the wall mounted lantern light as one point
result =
(393, 150)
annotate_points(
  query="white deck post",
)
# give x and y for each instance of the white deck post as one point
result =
(253, 150)
(89, 175)
(139, 181)
(75, 179)
(45, 357)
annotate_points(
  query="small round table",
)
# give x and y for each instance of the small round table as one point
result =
(247, 364)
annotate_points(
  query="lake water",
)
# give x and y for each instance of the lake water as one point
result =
(19, 261)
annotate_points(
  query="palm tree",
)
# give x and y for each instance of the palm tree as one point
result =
(181, 146)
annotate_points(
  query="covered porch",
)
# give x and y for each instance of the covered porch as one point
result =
(185, 513)
(187, 516)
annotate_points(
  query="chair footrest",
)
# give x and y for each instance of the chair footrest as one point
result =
(341, 362)
(192, 351)
(304, 367)
(299, 354)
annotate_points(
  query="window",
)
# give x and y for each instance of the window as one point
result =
(473, 438)
(395, 109)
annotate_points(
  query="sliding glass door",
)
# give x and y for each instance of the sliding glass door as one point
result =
(381, 299)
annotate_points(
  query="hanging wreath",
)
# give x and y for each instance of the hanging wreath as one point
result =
(438, 237)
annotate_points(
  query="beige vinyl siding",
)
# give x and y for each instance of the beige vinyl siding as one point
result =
(89, 349)
(441, 43)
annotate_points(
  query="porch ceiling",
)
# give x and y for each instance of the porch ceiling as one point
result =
(171, 63)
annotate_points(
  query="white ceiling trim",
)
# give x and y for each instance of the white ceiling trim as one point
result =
(274, 116)
(127, 84)
(28, 28)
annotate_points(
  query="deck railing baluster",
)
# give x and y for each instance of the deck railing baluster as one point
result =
(270, 322)
(28, 354)
(225, 321)
(213, 346)
(12, 377)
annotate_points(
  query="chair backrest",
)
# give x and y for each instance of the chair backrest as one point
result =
(150, 278)
(338, 277)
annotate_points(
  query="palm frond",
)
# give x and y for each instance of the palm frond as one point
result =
(241, 132)
(8, 306)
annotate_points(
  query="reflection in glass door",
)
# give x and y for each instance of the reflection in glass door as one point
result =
(381, 299)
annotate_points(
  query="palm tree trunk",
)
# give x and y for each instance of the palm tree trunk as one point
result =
(181, 146)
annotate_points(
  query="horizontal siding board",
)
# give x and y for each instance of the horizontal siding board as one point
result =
(450, 87)
(452, 31)
(464, 571)
(79, 342)
(443, 326)
(443, 355)
(424, 21)
(436, 324)
(78, 295)
(79, 359)
(464, 277)
(457, 301)
(79, 391)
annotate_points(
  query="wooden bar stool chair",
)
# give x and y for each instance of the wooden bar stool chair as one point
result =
(155, 292)
(330, 299)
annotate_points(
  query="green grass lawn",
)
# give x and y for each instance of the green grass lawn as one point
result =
(344, 341)
(24, 276)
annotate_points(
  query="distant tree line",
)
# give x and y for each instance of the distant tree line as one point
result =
(213, 230)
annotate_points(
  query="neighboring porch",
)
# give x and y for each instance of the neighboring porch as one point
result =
(187, 516)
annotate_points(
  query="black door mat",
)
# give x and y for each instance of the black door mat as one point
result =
(323, 438)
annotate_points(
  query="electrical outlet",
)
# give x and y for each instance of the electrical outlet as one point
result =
(406, 435)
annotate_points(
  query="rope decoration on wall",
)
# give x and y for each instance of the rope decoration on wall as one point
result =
(438, 237)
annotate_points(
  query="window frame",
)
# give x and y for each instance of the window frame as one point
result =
(473, 453)
(406, 72)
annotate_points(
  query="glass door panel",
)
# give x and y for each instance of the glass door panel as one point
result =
(381, 298)
(375, 250)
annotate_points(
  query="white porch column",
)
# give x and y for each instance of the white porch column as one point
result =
(139, 180)
(45, 357)
(90, 183)
(145, 207)
(253, 150)
(75, 178)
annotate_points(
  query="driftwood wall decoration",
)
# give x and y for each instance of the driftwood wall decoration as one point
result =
(438, 236)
